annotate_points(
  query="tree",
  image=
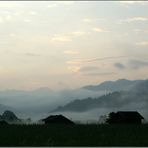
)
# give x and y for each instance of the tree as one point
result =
(111, 116)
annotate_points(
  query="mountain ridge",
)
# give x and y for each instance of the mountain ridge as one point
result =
(114, 99)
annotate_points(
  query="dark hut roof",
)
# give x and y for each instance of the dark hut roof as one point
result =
(57, 119)
(129, 114)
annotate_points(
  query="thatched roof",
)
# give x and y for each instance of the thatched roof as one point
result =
(129, 114)
(58, 119)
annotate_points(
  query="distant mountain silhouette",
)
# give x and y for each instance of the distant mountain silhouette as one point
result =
(121, 84)
(9, 117)
(137, 95)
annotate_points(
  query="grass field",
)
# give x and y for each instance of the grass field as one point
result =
(74, 135)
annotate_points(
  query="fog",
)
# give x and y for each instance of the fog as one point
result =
(40, 102)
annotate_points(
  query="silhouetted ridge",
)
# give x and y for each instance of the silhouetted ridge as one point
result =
(136, 97)
(121, 84)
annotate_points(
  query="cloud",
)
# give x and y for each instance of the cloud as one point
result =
(132, 64)
(119, 66)
(6, 18)
(98, 30)
(130, 3)
(138, 18)
(88, 68)
(58, 3)
(61, 38)
(99, 73)
(93, 71)
(74, 68)
(78, 33)
(74, 62)
(137, 64)
(6, 4)
(27, 20)
(80, 61)
(71, 52)
(142, 43)
(12, 34)
(32, 54)
(1, 20)
(134, 19)
(32, 12)
(67, 3)
(67, 37)
(89, 20)
(52, 5)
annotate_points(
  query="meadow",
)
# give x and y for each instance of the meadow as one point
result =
(74, 135)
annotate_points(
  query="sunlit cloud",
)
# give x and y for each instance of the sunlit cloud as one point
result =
(32, 12)
(138, 18)
(6, 18)
(71, 52)
(61, 38)
(143, 43)
(81, 61)
(52, 5)
(67, 37)
(76, 62)
(12, 35)
(74, 68)
(98, 30)
(89, 20)
(78, 33)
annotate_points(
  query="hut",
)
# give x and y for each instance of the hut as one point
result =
(125, 117)
(57, 119)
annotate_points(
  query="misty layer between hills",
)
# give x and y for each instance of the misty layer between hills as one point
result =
(86, 103)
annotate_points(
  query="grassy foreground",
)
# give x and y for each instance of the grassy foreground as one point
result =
(74, 135)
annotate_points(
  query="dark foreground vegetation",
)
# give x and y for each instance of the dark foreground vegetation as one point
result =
(74, 135)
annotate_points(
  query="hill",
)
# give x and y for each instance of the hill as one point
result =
(9, 117)
(135, 98)
(121, 84)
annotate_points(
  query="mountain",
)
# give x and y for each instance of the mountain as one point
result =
(88, 103)
(9, 117)
(121, 84)
(134, 99)
(35, 103)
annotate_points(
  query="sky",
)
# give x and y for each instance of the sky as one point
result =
(62, 45)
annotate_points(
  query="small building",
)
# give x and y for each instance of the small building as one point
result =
(57, 119)
(125, 117)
